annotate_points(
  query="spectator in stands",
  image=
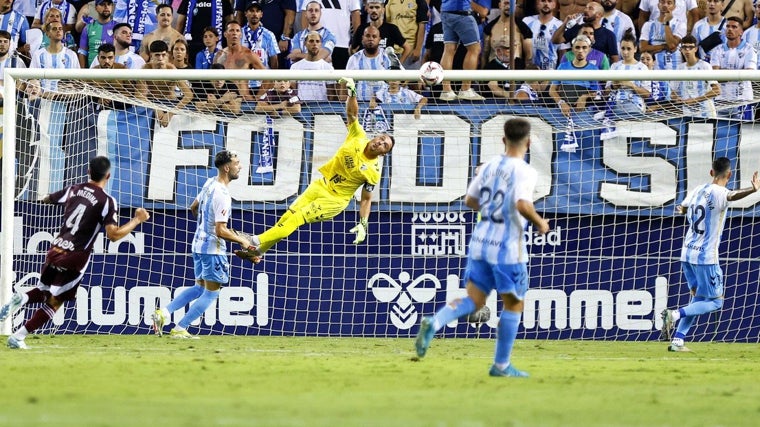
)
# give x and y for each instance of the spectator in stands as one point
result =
(661, 37)
(339, 16)
(742, 9)
(163, 31)
(237, 57)
(575, 95)
(193, 16)
(16, 24)
(279, 100)
(627, 98)
(695, 96)
(371, 57)
(219, 97)
(497, 32)
(107, 58)
(85, 15)
(38, 39)
(7, 58)
(752, 34)
(459, 26)
(735, 55)
(278, 17)
(205, 58)
(506, 89)
(594, 57)
(55, 55)
(542, 26)
(390, 35)
(411, 17)
(97, 32)
(163, 91)
(27, 8)
(571, 8)
(122, 41)
(684, 11)
(396, 92)
(604, 39)
(313, 16)
(616, 21)
(141, 15)
(709, 30)
(660, 90)
(179, 55)
(314, 90)
(262, 43)
(68, 12)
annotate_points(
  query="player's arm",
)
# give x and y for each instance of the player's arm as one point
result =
(472, 202)
(352, 105)
(744, 192)
(365, 206)
(225, 233)
(114, 232)
(194, 207)
(527, 210)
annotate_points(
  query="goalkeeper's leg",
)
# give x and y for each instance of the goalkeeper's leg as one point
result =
(312, 206)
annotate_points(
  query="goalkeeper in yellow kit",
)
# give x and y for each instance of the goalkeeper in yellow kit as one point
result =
(356, 164)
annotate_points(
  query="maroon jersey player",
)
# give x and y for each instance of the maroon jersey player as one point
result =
(88, 209)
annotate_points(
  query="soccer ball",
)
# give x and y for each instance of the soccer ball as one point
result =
(431, 73)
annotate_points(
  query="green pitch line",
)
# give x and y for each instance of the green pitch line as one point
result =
(262, 381)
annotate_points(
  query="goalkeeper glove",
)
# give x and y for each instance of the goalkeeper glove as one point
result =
(350, 86)
(361, 231)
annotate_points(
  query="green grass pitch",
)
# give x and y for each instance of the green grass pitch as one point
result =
(287, 381)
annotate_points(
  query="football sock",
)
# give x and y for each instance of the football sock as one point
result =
(448, 313)
(21, 333)
(42, 315)
(35, 295)
(184, 298)
(284, 228)
(199, 306)
(506, 333)
(684, 325)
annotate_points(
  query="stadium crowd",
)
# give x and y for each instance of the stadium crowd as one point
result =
(393, 34)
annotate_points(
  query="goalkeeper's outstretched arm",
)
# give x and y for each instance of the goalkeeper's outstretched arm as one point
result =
(352, 105)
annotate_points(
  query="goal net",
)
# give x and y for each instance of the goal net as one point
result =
(609, 179)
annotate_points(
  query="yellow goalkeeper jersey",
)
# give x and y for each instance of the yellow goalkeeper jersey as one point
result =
(349, 168)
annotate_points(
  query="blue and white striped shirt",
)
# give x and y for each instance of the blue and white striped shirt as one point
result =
(214, 205)
(499, 236)
(706, 213)
(365, 90)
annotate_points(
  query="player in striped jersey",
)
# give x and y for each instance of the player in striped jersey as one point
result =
(212, 207)
(88, 209)
(705, 209)
(498, 258)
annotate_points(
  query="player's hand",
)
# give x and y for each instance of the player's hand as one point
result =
(360, 230)
(350, 85)
(142, 215)
(542, 227)
(755, 181)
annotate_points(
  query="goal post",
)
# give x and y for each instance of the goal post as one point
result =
(605, 271)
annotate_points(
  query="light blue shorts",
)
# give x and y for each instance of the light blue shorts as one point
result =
(459, 28)
(214, 268)
(706, 280)
(505, 278)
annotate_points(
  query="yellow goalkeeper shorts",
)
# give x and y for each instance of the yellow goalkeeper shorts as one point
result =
(317, 204)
